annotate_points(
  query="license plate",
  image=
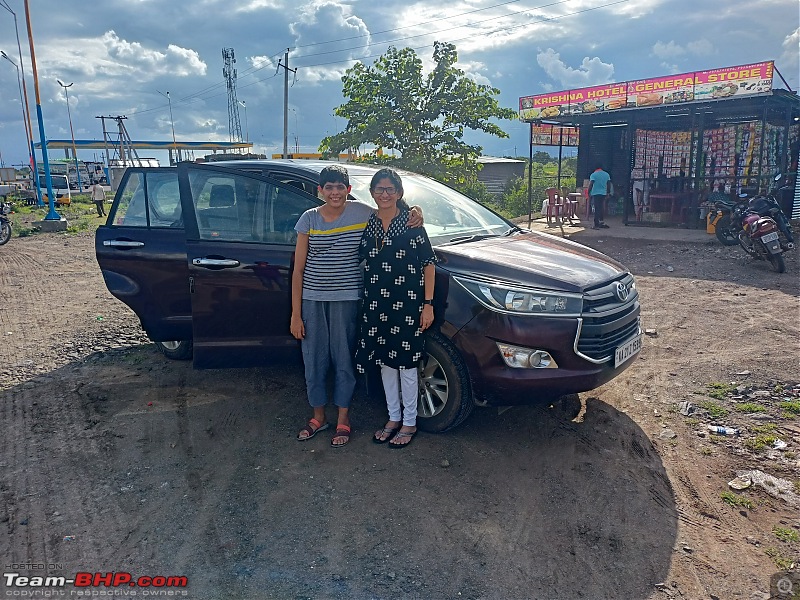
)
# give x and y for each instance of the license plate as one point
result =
(770, 237)
(628, 350)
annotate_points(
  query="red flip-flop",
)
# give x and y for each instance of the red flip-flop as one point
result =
(311, 429)
(342, 431)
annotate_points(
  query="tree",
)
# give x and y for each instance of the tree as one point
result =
(393, 106)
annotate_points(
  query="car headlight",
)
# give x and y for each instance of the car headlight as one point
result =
(520, 300)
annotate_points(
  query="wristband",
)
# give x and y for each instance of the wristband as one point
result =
(429, 302)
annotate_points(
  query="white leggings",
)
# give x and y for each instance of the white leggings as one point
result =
(395, 383)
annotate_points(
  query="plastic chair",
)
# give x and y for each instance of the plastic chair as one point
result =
(554, 205)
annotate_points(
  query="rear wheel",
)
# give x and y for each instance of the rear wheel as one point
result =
(5, 232)
(445, 392)
(777, 262)
(177, 349)
(724, 233)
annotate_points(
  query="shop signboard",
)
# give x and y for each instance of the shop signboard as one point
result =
(714, 84)
(553, 135)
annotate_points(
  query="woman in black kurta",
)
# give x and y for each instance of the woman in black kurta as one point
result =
(398, 304)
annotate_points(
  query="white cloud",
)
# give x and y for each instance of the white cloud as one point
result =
(790, 59)
(592, 71)
(176, 61)
(668, 50)
(474, 70)
(701, 47)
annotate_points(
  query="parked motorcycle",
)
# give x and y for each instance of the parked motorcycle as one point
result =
(731, 214)
(5, 223)
(760, 239)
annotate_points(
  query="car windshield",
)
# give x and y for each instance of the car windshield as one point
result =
(448, 214)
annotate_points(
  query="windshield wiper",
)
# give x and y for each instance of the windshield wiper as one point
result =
(471, 238)
(512, 231)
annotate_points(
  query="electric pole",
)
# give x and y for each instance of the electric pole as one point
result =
(286, 70)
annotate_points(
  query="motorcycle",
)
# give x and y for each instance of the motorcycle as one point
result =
(730, 216)
(759, 238)
(5, 222)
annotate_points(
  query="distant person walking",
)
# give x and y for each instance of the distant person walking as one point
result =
(99, 197)
(599, 188)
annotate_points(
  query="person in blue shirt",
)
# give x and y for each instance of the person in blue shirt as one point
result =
(599, 188)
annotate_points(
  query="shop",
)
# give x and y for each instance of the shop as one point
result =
(670, 142)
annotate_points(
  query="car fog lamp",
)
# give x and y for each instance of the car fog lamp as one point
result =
(518, 357)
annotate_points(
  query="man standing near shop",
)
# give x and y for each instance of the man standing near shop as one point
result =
(599, 188)
(98, 197)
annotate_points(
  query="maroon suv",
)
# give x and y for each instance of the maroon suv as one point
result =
(203, 254)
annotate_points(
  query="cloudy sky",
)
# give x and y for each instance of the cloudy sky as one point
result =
(122, 55)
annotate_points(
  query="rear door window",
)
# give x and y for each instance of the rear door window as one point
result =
(149, 199)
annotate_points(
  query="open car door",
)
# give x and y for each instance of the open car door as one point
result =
(240, 241)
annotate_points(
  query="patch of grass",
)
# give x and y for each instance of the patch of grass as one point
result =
(778, 389)
(750, 407)
(716, 410)
(735, 499)
(786, 534)
(692, 422)
(783, 563)
(761, 442)
(719, 390)
(765, 428)
(789, 454)
(706, 451)
(792, 406)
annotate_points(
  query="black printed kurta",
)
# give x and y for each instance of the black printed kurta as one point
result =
(390, 333)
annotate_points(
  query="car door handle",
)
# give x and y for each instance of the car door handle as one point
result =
(215, 262)
(122, 243)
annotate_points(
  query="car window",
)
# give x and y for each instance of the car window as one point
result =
(149, 198)
(236, 207)
(163, 199)
(130, 210)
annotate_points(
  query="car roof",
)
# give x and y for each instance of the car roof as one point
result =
(307, 166)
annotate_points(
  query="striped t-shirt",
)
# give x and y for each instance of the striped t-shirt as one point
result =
(332, 268)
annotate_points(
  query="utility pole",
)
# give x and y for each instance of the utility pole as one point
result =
(286, 70)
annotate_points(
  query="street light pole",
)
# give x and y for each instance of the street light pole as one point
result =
(52, 215)
(172, 123)
(72, 133)
(246, 128)
(33, 167)
(22, 103)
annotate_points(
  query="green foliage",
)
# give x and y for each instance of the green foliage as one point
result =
(393, 106)
(765, 428)
(792, 406)
(735, 500)
(761, 442)
(714, 409)
(719, 390)
(786, 534)
(783, 563)
(750, 407)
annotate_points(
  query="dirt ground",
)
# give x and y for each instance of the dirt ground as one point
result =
(116, 459)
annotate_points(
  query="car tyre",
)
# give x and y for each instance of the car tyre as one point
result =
(176, 349)
(445, 391)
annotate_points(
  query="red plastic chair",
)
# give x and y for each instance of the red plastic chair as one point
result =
(554, 205)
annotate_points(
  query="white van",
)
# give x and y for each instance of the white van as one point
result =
(60, 189)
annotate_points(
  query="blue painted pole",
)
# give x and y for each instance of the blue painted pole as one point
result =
(52, 215)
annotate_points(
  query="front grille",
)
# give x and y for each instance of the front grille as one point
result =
(608, 321)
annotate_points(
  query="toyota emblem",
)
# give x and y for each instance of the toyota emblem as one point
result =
(621, 291)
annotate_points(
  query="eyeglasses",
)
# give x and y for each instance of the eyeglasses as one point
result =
(380, 191)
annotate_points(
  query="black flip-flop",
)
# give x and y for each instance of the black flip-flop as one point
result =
(389, 432)
(404, 434)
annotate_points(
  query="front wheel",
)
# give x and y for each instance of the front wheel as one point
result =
(176, 349)
(445, 392)
(5, 232)
(724, 233)
(777, 262)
